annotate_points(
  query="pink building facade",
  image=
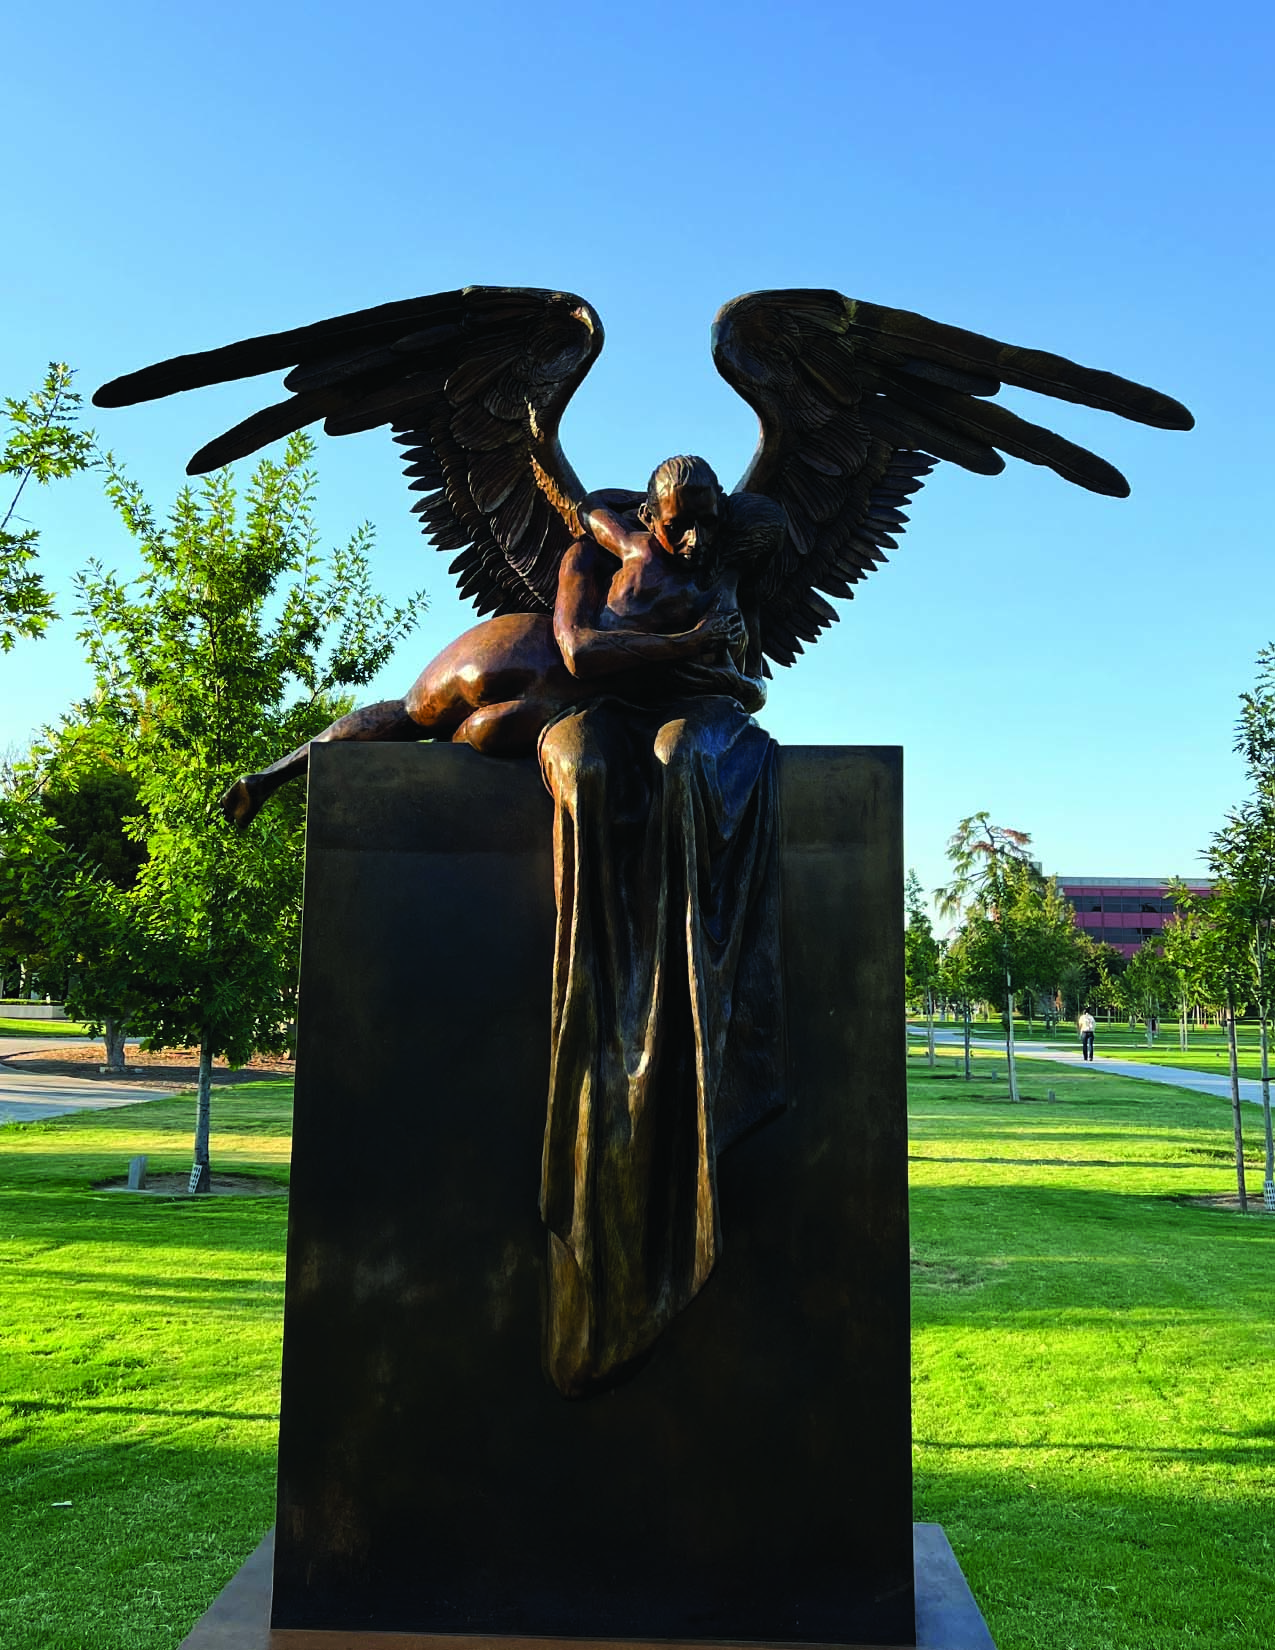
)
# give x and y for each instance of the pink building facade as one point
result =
(1123, 911)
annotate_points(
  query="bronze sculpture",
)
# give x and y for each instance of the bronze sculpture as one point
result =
(629, 643)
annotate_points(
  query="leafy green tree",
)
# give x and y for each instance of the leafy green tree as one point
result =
(69, 825)
(24, 962)
(42, 445)
(1184, 945)
(1146, 984)
(234, 644)
(1043, 936)
(1242, 910)
(1089, 975)
(956, 984)
(921, 957)
(984, 858)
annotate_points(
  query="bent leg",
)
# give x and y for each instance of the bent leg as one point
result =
(387, 720)
(508, 729)
(500, 683)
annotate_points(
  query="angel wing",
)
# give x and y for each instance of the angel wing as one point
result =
(857, 403)
(473, 384)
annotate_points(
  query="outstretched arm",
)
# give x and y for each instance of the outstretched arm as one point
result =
(588, 650)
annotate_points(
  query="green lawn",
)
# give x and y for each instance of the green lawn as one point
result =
(139, 1369)
(1094, 1399)
(1094, 1402)
(1206, 1051)
(9, 1027)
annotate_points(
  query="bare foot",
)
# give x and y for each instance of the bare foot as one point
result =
(243, 801)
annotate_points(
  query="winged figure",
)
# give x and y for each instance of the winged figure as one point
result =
(681, 586)
(628, 641)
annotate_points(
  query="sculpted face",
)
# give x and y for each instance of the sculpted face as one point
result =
(686, 521)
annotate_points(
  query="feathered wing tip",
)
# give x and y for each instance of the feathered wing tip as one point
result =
(915, 345)
(349, 335)
(855, 404)
(474, 383)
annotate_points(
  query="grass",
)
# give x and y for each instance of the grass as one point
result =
(139, 1367)
(9, 1027)
(1207, 1050)
(1094, 1404)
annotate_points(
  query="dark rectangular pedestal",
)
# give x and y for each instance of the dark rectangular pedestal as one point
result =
(947, 1618)
(753, 1481)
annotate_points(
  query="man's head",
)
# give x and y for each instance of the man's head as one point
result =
(683, 507)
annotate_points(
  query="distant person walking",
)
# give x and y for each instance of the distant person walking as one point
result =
(1086, 1025)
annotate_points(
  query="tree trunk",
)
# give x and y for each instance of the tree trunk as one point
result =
(929, 1027)
(968, 1071)
(113, 1042)
(1009, 1038)
(1235, 1101)
(1268, 1187)
(201, 1172)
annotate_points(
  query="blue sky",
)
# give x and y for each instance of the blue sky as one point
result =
(1093, 179)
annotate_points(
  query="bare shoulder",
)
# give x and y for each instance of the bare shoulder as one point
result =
(584, 577)
(620, 533)
(587, 558)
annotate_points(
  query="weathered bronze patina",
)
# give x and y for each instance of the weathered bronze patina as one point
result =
(628, 646)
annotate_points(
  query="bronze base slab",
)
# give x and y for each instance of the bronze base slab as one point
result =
(947, 1618)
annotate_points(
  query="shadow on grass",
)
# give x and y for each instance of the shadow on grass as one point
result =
(18, 1407)
(110, 1287)
(59, 1222)
(1259, 1453)
(1062, 1162)
(1037, 1250)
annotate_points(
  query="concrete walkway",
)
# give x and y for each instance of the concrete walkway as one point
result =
(28, 1096)
(1201, 1082)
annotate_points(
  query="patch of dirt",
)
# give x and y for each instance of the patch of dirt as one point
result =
(1004, 1099)
(941, 1276)
(178, 1185)
(1227, 1201)
(156, 1068)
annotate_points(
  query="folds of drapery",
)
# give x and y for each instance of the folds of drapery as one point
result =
(667, 1017)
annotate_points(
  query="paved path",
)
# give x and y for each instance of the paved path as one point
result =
(1201, 1082)
(28, 1096)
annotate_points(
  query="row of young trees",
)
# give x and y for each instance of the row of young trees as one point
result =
(1219, 949)
(1014, 944)
(120, 881)
(1015, 940)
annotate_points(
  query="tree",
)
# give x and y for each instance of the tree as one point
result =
(1043, 939)
(70, 842)
(1183, 943)
(1145, 983)
(1255, 741)
(957, 986)
(230, 647)
(921, 956)
(983, 858)
(1090, 973)
(43, 445)
(1242, 908)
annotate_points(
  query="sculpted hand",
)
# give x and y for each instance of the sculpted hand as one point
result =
(727, 678)
(718, 635)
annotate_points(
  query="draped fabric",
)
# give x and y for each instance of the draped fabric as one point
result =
(667, 1021)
